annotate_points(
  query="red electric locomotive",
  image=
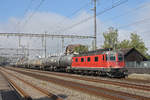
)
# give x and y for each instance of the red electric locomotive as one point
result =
(109, 63)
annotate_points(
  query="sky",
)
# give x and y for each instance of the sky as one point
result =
(58, 17)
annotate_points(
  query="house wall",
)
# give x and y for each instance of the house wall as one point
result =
(134, 56)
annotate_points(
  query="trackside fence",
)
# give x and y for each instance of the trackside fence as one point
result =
(143, 64)
(138, 67)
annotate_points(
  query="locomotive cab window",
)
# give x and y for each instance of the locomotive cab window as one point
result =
(96, 59)
(82, 59)
(112, 57)
(103, 58)
(107, 57)
(76, 59)
(88, 59)
(120, 57)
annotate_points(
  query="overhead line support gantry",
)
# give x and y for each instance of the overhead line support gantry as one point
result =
(46, 35)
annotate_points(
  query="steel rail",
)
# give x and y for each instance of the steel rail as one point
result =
(89, 89)
(18, 90)
(123, 84)
(50, 95)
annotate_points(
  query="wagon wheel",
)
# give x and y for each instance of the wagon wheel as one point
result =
(109, 75)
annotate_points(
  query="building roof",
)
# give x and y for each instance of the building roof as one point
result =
(98, 51)
(70, 48)
(127, 51)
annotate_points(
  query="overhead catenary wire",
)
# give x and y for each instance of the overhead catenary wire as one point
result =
(135, 23)
(32, 14)
(29, 7)
(128, 12)
(78, 10)
(72, 14)
(148, 31)
(115, 1)
(131, 11)
(85, 20)
(25, 12)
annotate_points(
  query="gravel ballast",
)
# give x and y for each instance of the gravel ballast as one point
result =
(63, 92)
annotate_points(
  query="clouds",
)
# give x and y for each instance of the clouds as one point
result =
(140, 24)
(52, 23)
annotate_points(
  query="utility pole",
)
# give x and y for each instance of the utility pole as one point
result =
(62, 44)
(95, 25)
(19, 44)
(45, 44)
(28, 49)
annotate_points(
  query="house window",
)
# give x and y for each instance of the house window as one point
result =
(96, 59)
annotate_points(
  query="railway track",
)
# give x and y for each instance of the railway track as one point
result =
(24, 94)
(89, 89)
(123, 84)
(91, 77)
(137, 80)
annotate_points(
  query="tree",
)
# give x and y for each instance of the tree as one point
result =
(81, 49)
(111, 38)
(111, 41)
(148, 56)
(137, 43)
(124, 44)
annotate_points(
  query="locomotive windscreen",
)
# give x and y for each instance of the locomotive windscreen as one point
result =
(120, 57)
(112, 57)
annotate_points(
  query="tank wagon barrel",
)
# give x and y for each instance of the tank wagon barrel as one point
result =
(65, 60)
